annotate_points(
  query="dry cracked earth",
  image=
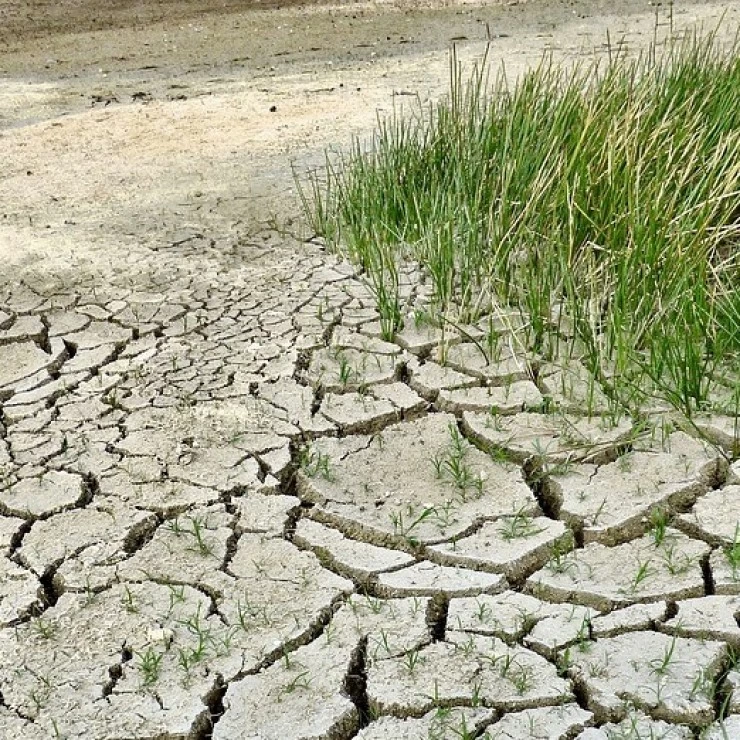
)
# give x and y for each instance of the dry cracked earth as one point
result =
(229, 509)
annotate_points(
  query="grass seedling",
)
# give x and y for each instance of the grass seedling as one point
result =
(451, 464)
(677, 563)
(198, 531)
(467, 648)
(519, 526)
(313, 463)
(301, 681)
(661, 665)
(412, 660)
(201, 632)
(703, 685)
(523, 679)
(40, 698)
(445, 514)
(345, 371)
(129, 601)
(442, 727)
(495, 419)
(245, 613)
(599, 511)
(732, 552)
(44, 628)
(564, 663)
(583, 637)
(185, 659)
(403, 528)
(483, 612)
(658, 524)
(175, 527)
(415, 607)
(149, 666)
(374, 604)
(176, 595)
(382, 642)
(643, 572)
(287, 661)
(560, 560)
(475, 693)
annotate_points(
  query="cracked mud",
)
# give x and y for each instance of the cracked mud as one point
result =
(229, 509)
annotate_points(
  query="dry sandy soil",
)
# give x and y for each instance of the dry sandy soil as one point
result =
(219, 512)
(121, 125)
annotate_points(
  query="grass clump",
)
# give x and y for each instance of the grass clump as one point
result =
(607, 196)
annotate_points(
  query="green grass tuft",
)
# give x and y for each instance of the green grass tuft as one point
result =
(608, 195)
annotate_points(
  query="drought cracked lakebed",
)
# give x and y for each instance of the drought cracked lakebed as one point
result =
(229, 509)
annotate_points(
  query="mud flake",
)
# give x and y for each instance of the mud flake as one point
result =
(638, 571)
(441, 723)
(715, 516)
(708, 617)
(265, 514)
(507, 399)
(638, 725)
(357, 559)
(508, 615)
(430, 378)
(542, 723)
(513, 546)
(399, 488)
(99, 333)
(52, 540)
(186, 549)
(552, 438)
(629, 618)
(19, 592)
(612, 502)
(668, 677)
(299, 696)
(427, 579)
(341, 370)
(473, 671)
(48, 494)
(358, 413)
(504, 368)
(21, 360)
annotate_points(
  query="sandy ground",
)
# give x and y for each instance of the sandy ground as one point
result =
(120, 127)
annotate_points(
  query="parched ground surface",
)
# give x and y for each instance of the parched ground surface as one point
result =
(228, 509)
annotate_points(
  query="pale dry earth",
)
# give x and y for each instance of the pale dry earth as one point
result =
(228, 509)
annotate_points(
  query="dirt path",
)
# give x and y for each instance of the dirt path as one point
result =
(227, 509)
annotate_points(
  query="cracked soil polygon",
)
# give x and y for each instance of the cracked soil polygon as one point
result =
(552, 438)
(504, 546)
(541, 723)
(470, 671)
(638, 571)
(358, 560)
(390, 490)
(669, 677)
(441, 723)
(611, 502)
